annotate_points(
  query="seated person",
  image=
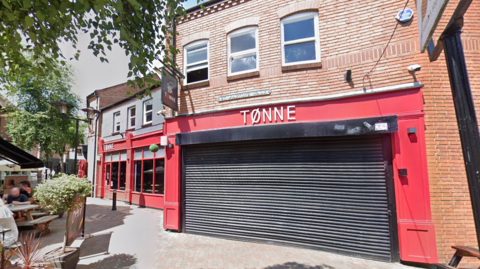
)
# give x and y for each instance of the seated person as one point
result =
(16, 197)
(26, 188)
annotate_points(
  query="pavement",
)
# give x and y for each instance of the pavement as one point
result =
(133, 237)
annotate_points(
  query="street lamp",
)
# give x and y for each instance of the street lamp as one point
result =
(91, 112)
(64, 106)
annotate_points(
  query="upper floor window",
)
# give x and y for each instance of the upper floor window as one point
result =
(243, 51)
(196, 62)
(116, 122)
(300, 41)
(147, 112)
(131, 117)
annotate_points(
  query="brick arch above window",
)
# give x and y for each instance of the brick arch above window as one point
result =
(252, 21)
(306, 5)
(195, 37)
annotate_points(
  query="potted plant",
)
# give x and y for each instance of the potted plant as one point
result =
(65, 193)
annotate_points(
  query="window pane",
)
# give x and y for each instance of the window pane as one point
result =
(242, 42)
(114, 182)
(243, 64)
(299, 29)
(147, 154)
(148, 107)
(123, 175)
(197, 54)
(116, 157)
(117, 128)
(123, 155)
(132, 112)
(148, 117)
(159, 179)
(138, 176)
(147, 176)
(197, 66)
(138, 154)
(300, 52)
(132, 122)
(197, 75)
(107, 175)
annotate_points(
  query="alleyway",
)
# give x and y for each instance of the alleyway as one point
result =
(134, 238)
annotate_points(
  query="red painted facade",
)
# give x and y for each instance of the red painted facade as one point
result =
(416, 232)
(128, 145)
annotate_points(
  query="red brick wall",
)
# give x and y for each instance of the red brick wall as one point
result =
(352, 36)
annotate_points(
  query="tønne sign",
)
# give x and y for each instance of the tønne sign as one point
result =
(264, 115)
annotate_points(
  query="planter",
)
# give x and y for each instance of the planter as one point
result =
(69, 260)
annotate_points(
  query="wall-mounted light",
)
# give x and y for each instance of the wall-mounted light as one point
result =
(348, 76)
(412, 130)
(170, 146)
(402, 172)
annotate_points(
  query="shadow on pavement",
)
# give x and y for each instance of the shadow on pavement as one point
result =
(111, 262)
(96, 245)
(294, 265)
(99, 218)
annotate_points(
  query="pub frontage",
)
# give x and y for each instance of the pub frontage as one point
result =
(343, 173)
(130, 168)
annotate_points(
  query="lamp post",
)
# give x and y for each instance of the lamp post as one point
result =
(63, 106)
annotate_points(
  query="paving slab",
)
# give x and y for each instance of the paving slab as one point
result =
(133, 237)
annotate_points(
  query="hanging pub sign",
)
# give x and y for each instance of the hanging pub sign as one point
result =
(169, 90)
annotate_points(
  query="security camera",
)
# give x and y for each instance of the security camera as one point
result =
(414, 68)
(161, 112)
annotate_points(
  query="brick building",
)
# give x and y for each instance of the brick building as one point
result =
(265, 87)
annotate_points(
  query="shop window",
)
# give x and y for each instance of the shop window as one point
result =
(114, 181)
(123, 175)
(138, 176)
(300, 39)
(149, 172)
(159, 176)
(243, 51)
(131, 117)
(147, 112)
(116, 122)
(196, 62)
(107, 175)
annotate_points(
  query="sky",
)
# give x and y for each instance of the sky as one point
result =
(90, 73)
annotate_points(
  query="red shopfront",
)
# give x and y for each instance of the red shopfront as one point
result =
(347, 175)
(130, 168)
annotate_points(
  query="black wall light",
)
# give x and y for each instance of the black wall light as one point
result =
(348, 76)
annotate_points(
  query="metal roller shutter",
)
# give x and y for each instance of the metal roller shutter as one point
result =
(325, 193)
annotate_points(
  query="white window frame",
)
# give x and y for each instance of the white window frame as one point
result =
(129, 117)
(115, 116)
(316, 38)
(242, 53)
(145, 111)
(192, 46)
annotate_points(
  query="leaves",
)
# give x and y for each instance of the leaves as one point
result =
(64, 193)
(138, 27)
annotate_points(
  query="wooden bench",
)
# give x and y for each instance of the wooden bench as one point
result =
(38, 214)
(460, 252)
(41, 224)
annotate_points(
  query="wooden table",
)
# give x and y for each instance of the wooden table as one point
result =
(27, 209)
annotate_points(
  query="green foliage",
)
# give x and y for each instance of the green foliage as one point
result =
(62, 194)
(35, 27)
(36, 120)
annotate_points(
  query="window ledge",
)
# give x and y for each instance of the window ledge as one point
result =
(242, 76)
(147, 124)
(115, 133)
(301, 66)
(196, 85)
(131, 129)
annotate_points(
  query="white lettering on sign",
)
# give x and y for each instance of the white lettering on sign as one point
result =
(256, 116)
(381, 126)
(108, 147)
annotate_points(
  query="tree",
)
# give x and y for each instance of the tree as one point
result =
(141, 28)
(36, 121)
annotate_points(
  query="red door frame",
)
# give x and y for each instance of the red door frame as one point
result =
(416, 232)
